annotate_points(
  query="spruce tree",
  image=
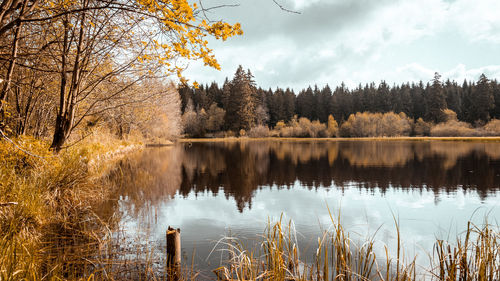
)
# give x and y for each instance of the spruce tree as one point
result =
(435, 100)
(495, 112)
(483, 99)
(249, 102)
(289, 100)
(241, 101)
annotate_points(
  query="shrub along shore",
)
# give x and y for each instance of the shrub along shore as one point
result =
(229, 139)
(366, 125)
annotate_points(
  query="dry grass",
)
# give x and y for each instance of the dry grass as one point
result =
(50, 230)
(476, 256)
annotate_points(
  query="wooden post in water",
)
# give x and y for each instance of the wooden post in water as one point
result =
(173, 253)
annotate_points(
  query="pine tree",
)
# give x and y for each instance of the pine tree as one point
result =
(241, 101)
(323, 100)
(453, 95)
(483, 99)
(435, 100)
(469, 108)
(289, 100)
(495, 112)
(382, 99)
(305, 103)
(248, 106)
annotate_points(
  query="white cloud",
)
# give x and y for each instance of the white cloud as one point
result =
(360, 42)
(300, 4)
(478, 19)
(402, 22)
(415, 72)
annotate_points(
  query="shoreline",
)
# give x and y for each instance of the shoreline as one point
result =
(237, 139)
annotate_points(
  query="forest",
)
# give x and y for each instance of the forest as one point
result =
(438, 108)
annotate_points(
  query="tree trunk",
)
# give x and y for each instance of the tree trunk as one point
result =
(66, 115)
(59, 131)
(10, 70)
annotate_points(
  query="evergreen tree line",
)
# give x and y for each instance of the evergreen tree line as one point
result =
(240, 104)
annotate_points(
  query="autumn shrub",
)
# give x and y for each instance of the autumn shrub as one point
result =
(318, 130)
(259, 132)
(193, 123)
(492, 128)
(422, 128)
(332, 127)
(215, 119)
(301, 128)
(289, 130)
(368, 124)
(314, 129)
(393, 124)
(449, 115)
(453, 128)
(286, 132)
(360, 125)
(229, 134)
(274, 133)
(280, 125)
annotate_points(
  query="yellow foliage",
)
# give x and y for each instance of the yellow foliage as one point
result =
(183, 30)
(179, 18)
(333, 126)
(281, 124)
(368, 124)
(449, 115)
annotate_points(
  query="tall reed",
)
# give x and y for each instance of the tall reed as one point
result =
(475, 256)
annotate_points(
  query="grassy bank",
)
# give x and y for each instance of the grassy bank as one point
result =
(47, 202)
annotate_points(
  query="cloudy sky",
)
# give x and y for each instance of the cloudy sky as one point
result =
(356, 41)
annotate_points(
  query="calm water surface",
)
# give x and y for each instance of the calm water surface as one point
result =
(213, 189)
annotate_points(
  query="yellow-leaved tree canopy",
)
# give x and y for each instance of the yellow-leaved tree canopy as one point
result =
(88, 57)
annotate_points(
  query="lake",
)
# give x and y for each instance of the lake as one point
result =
(214, 189)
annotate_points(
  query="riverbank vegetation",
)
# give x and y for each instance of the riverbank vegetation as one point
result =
(339, 255)
(47, 219)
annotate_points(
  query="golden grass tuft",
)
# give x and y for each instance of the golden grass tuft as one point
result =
(474, 256)
(46, 205)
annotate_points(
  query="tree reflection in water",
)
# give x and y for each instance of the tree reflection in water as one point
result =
(239, 168)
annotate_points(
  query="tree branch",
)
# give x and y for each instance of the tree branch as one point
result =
(285, 9)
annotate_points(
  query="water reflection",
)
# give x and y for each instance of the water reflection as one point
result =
(240, 168)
